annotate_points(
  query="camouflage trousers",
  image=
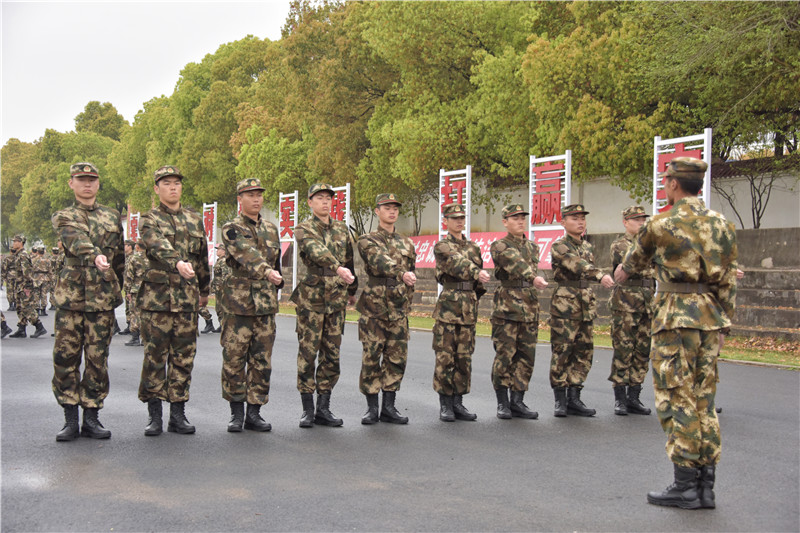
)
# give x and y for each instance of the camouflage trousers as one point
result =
(685, 384)
(630, 335)
(384, 355)
(26, 310)
(318, 333)
(204, 312)
(90, 333)
(42, 291)
(170, 342)
(11, 291)
(453, 345)
(515, 353)
(52, 293)
(134, 320)
(247, 342)
(572, 346)
(129, 303)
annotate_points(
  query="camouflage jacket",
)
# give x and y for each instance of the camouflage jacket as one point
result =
(573, 260)
(56, 264)
(253, 251)
(386, 256)
(10, 266)
(221, 273)
(170, 236)
(689, 244)
(458, 260)
(134, 272)
(87, 232)
(22, 269)
(126, 286)
(629, 299)
(41, 270)
(515, 259)
(323, 246)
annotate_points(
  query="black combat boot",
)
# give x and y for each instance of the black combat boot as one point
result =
(503, 409)
(307, 418)
(218, 329)
(52, 307)
(446, 413)
(44, 311)
(177, 419)
(209, 327)
(39, 330)
(620, 401)
(92, 427)
(12, 307)
(682, 493)
(253, 420)
(560, 394)
(633, 404)
(371, 416)
(389, 412)
(705, 486)
(19, 334)
(5, 330)
(135, 340)
(70, 431)
(237, 417)
(460, 411)
(154, 426)
(116, 328)
(574, 404)
(518, 407)
(324, 416)
(126, 331)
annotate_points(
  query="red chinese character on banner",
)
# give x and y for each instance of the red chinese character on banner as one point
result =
(338, 206)
(287, 224)
(134, 227)
(208, 223)
(450, 187)
(546, 200)
(663, 160)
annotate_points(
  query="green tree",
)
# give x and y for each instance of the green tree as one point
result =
(102, 119)
(17, 159)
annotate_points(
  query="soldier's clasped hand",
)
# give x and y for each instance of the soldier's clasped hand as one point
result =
(101, 262)
(540, 283)
(483, 276)
(275, 277)
(345, 274)
(185, 269)
(606, 281)
(409, 278)
(620, 275)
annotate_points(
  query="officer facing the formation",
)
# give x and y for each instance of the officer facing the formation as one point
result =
(390, 260)
(221, 273)
(25, 290)
(87, 291)
(694, 250)
(129, 247)
(250, 295)
(515, 316)
(631, 317)
(325, 247)
(572, 309)
(134, 275)
(174, 287)
(459, 269)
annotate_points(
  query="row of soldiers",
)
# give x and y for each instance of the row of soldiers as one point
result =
(695, 270)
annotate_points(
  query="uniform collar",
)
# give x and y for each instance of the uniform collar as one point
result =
(522, 238)
(166, 209)
(86, 207)
(574, 240)
(316, 219)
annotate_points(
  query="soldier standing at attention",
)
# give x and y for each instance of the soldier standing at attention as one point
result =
(251, 299)
(631, 317)
(129, 246)
(174, 287)
(515, 318)
(10, 277)
(26, 292)
(221, 273)
(87, 292)
(325, 247)
(459, 269)
(57, 263)
(694, 250)
(572, 309)
(134, 275)
(39, 274)
(390, 260)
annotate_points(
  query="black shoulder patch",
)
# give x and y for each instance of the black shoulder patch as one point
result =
(231, 234)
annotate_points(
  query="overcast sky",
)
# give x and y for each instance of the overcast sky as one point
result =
(58, 56)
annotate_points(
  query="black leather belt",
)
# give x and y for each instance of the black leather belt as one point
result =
(322, 271)
(459, 285)
(683, 288)
(649, 283)
(515, 283)
(375, 281)
(576, 284)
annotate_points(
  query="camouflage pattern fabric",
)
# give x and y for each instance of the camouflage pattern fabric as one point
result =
(170, 341)
(631, 317)
(26, 297)
(40, 272)
(453, 345)
(312, 341)
(515, 353)
(11, 276)
(85, 301)
(221, 273)
(204, 312)
(127, 289)
(57, 263)
(253, 252)
(133, 278)
(383, 326)
(572, 345)
(90, 333)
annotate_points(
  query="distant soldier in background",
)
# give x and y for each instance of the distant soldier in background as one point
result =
(390, 260)
(134, 275)
(459, 269)
(40, 276)
(26, 293)
(10, 276)
(129, 247)
(221, 273)
(56, 264)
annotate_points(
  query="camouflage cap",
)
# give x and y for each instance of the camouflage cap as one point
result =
(19, 237)
(168, 170)
(634, 211)
(454, 211)
(83, 169)
(319, 187)
(514, 209)
(689, 168)
(573, 209)
(249, 184)
(387, 199)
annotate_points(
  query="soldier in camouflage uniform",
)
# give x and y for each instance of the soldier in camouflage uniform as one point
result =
(631, 315)
(250, 294)
(129, 247)
(572, 310)
(134, 275)
(10, 279)
(56, 264)
(26, 293)
(87, 292)
(515, 317)
(221, 273)
(459, 269)
(325, 247)
(694, 250)
(40, 274)
(175, 285)
(205, 314)
(390, 260)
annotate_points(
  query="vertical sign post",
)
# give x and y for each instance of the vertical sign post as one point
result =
(664, 151)
(549, 191)
(210, 227)
(133, 225)
(340, 205)
(287, 218)
(455, 187)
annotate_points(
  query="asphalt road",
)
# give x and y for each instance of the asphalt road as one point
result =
(571, 474)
